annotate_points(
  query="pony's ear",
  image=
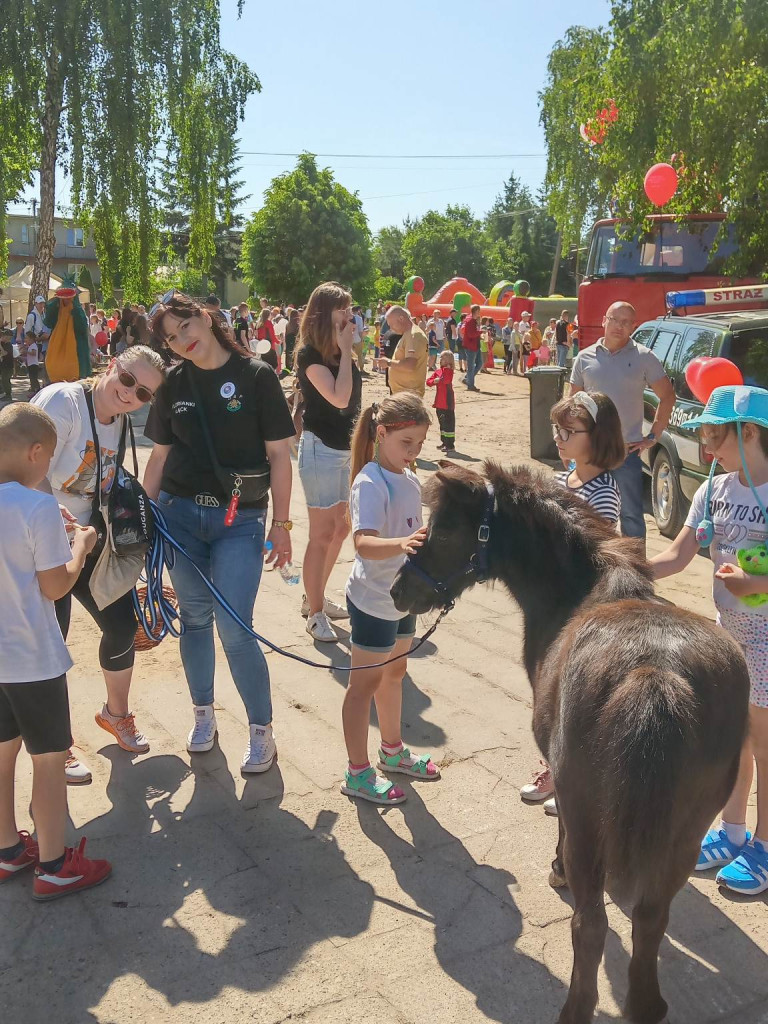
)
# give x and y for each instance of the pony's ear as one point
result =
(461, 483)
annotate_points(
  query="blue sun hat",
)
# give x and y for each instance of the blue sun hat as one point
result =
(732, 404)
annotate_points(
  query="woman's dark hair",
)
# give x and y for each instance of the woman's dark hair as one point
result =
(716, 433)
(605, 435)
(185, 308)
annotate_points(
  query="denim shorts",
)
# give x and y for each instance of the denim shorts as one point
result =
(323, 471)
(378, 635)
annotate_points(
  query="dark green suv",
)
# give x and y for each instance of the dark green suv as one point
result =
(677, 463)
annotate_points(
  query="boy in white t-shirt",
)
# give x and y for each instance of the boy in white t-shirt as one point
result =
(37, 567)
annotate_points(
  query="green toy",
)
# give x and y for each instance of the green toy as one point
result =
(754, 562)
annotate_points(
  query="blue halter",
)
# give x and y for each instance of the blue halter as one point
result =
(477, 565)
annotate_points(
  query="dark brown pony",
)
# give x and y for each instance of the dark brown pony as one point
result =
(639, 707)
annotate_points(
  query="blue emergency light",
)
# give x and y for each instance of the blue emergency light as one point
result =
(739, 295)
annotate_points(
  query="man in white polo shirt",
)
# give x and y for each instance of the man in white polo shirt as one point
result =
(622, 369)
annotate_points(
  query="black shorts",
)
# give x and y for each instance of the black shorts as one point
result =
(38, 712)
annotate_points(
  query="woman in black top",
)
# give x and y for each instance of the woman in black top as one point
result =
(291, 333)
(331, 387)
(218, 386)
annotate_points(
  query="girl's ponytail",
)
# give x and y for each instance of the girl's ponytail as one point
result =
(362, 440)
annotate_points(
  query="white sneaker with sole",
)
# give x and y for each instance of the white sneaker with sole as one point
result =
(261, 751)
(319, 628)
(331, 609)
(202, 735)
(76, 772)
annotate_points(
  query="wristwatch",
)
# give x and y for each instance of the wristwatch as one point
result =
(285, 524)
(650, 437)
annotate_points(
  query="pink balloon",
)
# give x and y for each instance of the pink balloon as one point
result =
(660, 183)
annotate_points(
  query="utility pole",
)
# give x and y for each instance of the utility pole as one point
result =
(556, 263)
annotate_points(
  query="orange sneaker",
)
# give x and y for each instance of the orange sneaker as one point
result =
(27, 857)
(76, 873)
(123, 728)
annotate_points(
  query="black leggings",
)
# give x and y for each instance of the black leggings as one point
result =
(117, 621)
(510, 357)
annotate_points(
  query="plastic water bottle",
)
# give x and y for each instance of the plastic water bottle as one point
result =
(288, 572)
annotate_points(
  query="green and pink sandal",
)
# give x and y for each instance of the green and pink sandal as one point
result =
(370, 786)
(417, 767)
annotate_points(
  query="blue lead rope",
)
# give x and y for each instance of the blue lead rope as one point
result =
(157, 609)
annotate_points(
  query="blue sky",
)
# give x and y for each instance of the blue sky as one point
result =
(422, 77)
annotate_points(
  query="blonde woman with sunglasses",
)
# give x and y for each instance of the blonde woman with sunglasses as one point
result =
(129, 382)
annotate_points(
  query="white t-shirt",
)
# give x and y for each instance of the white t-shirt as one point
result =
(33, 539)
(439, 328)
(390, 504)
(739, 526)
(73, 467)
(359, 325)
(31, 354)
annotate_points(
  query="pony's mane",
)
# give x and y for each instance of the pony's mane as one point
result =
(539, 498)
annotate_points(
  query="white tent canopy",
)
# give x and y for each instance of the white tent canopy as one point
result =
(14, 297)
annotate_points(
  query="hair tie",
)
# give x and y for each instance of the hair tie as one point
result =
(586, 402)
(375, 408)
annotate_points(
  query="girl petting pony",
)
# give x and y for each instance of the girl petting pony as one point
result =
(728, 515)
(385, 509)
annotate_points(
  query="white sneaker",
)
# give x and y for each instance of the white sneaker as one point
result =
(202, 735)
(261, 751)
(77, 773)
(319, 628)
(331, 609)
(550, 807)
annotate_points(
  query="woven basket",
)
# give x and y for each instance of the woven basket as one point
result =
(142, 641)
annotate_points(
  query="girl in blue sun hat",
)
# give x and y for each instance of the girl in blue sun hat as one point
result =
(728, 515)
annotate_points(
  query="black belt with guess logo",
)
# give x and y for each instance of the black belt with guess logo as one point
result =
(207, 501)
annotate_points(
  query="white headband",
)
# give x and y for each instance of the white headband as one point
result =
(587, 402)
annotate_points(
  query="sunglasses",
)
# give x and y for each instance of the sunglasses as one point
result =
(129, 381)
(163, 301)
(564, 433)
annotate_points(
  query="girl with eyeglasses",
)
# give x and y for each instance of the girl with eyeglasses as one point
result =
(129, 382)
(587, 432)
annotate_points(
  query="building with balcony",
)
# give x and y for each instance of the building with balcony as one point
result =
(73, 250)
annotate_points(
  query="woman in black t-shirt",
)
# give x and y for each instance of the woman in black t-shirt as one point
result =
(331, 387)
(248, 422)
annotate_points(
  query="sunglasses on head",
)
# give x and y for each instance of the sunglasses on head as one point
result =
(127, 379)
(163, 301)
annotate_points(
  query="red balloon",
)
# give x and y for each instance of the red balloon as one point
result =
(660, 183)
(706, 373)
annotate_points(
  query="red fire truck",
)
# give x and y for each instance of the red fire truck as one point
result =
(670, 253)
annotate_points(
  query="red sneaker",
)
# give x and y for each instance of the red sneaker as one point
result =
(76, 873)
(27, 857)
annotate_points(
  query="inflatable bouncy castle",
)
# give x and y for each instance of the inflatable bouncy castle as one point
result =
(457, 295)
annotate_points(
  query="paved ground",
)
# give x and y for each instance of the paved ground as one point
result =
(278, 899)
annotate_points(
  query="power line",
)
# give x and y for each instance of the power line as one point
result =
(430, 191)
(403, 156)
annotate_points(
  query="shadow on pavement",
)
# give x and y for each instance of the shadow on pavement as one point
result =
(220, 893)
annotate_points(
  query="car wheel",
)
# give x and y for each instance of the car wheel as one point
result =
(667, 498)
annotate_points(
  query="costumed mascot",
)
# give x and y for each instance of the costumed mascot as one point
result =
(69, 350)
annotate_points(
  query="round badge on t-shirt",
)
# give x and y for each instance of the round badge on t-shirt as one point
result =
(227, 390)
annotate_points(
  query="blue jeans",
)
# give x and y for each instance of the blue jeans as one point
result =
(231, 557)
(475, 362)
(562, 354)
(629, 477)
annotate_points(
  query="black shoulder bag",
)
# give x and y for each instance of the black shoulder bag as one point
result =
(127, 510)
(249, 485)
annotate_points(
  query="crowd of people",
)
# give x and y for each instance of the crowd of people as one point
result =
(220, 467)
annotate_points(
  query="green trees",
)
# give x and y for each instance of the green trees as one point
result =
(442, 245)
(99, 87)
(310, 229)
(690, 82)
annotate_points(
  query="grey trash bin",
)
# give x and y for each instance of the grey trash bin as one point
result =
(547, 384)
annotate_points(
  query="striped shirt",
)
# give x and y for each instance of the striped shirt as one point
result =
(602, 494)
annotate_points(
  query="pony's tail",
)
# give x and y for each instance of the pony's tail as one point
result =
(648, 726)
